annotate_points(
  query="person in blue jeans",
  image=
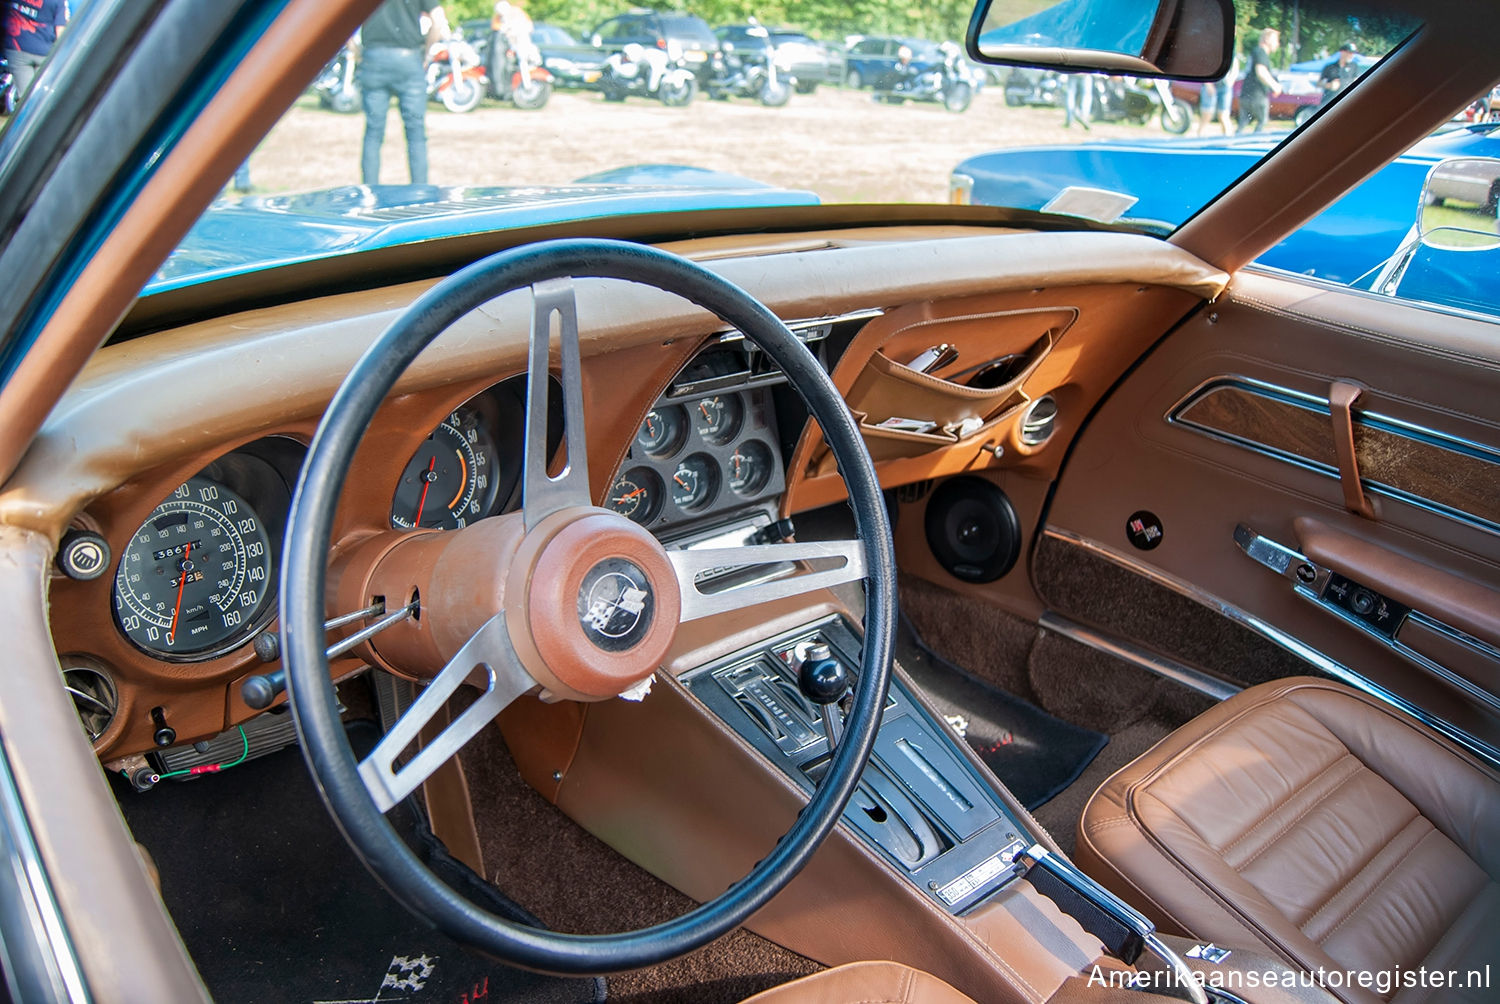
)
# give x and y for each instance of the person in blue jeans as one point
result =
(392, 63)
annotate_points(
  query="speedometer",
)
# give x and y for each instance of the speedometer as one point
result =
(196, 577)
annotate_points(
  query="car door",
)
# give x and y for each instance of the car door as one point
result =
(1299, 478)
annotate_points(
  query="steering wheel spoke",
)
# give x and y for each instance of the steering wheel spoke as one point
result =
(554, 308)
(833, 561)
(488, 653)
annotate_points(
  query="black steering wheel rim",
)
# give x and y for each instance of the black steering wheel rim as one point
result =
(303, 587)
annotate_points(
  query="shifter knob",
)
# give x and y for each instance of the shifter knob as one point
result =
(822, 678)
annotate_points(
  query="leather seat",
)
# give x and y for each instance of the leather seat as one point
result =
(1311, 819)
(865, 983)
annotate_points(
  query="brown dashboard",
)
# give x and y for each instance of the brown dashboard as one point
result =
(1073, 309)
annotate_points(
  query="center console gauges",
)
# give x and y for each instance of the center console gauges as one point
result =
(697, 455)
(468, 468)
(637, 495)
(198, 577)
(663, 431)
(694, 482)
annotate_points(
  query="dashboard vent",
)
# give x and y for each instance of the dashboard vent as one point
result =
(1040, 420)
(94, 697)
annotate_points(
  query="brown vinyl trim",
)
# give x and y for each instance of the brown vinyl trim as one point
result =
(1425, 467)
(1341, 398)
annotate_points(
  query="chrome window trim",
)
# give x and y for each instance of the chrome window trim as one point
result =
(1372, 419)
(1302, 650)
(29, 908)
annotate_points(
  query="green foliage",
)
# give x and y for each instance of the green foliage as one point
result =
(1313, 28)
(826, 19)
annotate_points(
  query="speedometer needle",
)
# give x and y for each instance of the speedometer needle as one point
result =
(427, 480)
(183, 568)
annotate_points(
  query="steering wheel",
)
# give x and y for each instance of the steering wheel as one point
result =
(562, 598)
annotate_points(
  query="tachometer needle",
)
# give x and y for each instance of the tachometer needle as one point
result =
(427, 480)
(183, 568)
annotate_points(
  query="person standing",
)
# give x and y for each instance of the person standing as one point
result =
(1338, 74)
(1078, 100)
(32, 28)
(392, 64)
(1260, 82)
(1216, 98)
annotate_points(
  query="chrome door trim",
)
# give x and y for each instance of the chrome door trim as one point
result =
(1372, 419)
(1136, 655)
(1490, 754)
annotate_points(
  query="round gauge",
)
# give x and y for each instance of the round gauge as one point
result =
(637, 494)
(718, 418)
(663, 431)
(695, 482)
(196, 577)
(749, 468)
(452, 479)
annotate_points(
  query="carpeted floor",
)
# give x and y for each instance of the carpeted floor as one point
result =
(273, 906)
(1036, 755)
(1077, 684)
(576, 883)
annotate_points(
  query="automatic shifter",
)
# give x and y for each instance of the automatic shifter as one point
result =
(824, 681)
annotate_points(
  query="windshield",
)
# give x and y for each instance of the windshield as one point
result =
(466, 121)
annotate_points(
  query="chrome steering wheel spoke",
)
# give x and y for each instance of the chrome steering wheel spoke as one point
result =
(834, 562)
(490, 653)
(554, 308)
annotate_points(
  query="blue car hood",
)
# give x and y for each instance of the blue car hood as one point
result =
(236, 236)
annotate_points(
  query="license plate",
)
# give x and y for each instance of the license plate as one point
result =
(589, 76)
(696, 57)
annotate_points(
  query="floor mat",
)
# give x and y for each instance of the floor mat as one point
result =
(273, 906)
(1033, 753)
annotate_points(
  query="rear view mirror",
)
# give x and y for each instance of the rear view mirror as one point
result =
(1182, 39)
(1460, 200)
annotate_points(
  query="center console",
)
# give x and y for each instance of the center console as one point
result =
(918, 805)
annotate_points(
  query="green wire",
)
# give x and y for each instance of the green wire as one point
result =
(244, 754)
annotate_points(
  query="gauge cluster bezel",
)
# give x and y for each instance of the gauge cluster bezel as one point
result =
(745, 421)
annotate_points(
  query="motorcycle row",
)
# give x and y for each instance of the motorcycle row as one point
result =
(460, 74)
(1113, 99)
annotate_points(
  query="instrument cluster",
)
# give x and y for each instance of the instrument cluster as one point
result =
(698, 455)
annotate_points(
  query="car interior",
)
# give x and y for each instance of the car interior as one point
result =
(740, 581)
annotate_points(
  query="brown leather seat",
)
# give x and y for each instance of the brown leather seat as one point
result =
(1314, 820)
(865, 983)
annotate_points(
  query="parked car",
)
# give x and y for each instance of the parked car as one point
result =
(872, 57)
(689, 34)
(1474, 181)
(571, 63)
(1298, 100)
(810, 61)
(1344, 243)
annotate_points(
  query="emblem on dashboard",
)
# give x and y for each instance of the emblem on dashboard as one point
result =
(615, 604)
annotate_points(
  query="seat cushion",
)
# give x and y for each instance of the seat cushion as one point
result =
(864, 983)
(1316, 821)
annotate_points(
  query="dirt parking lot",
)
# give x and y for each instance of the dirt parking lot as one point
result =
(822, 142)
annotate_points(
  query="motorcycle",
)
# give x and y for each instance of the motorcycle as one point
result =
(739, 73)
(519, 76)
(650, 73)
(1135, 100)
(952, 83)
(336, 86)
(1026, 86)
(455, 74)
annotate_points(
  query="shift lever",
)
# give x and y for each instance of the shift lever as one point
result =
(824, 681)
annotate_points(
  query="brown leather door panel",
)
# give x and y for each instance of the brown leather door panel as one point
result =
(1228, 422)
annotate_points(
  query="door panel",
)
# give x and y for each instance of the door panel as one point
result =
(1227, 424)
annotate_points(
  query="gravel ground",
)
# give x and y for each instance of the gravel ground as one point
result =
(838, 143)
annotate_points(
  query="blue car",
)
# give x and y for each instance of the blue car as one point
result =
(1168, 180)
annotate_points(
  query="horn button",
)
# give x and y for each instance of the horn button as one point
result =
(601, 605)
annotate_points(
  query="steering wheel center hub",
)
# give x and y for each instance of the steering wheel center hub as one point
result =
(602, 605)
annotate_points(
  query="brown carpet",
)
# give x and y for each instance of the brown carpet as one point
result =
(1136, 709)
(575, 883)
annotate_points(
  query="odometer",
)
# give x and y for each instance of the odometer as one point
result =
(196, 577)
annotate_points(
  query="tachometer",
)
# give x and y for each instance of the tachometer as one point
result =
(196, 577)
(452, 480)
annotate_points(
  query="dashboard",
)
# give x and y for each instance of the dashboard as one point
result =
(183, 499)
